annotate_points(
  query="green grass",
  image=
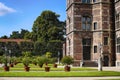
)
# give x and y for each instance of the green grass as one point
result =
(59, 74)
(20, 67)
(51, 69)
(36, 71)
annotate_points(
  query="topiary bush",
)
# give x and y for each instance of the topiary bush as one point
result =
(40, 61)
(26, 61)
(67, 60)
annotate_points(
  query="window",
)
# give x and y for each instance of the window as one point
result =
(105, 40)
(86, 41)
(117, 22)
(118, 48)
(116, 0)
(118, 40)
(85, 1)
(69, 46)
(118, 44)
(86, 23)
(95, 25)
(94, 1)
(95, 49)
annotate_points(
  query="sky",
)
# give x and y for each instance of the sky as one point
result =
(21, 14)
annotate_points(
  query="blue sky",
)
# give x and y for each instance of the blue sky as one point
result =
(20, 14)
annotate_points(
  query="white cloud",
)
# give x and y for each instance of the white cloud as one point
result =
(5, 10)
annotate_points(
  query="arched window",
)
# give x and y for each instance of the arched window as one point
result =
(86, 23)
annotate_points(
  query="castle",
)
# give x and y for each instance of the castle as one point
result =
(93, 30)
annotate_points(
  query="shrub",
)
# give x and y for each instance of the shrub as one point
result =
(12, 59)
(26, 61)
(26, 54)
(0, 59)
(40, 61)
(52, 60)
(34, 61)
(4, 60)
(67, 60)
(48, 54)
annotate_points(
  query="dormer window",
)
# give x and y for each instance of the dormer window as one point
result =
(85, 1)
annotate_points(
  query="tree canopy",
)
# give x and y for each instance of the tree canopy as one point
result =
(18, 35)
(47, 27)
(47, 32)
(47, 35)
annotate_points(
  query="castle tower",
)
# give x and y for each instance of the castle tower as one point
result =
(90, 31)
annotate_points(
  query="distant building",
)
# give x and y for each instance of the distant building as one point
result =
(93, 28)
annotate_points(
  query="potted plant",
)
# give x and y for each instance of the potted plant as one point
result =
(26, 62)
(40, 61)
(46, 61)
(4, 61)
(53, 61)
(12, 59)
(34, 61)
(47, 68)
(16, 60)
(67, 60)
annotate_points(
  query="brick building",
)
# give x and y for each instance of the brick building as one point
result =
(117, 30)
(91, 31)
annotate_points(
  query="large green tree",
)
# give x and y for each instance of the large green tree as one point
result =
(46, 28)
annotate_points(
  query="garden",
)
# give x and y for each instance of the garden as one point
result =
(45, 66)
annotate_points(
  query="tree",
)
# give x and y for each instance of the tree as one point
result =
(1, 52)
(14, 48)
(48, 27)
(23, 32)
(26, 46)
(39, 48)
(30, 35)
(54, 46)
(2, 47)
(4, 37)
(15, 35)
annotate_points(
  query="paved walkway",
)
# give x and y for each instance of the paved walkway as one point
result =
(58, 78)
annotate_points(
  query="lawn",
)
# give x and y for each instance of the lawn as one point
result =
(60, 74)
(20, 67)
(35, 71)
(52, 69)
